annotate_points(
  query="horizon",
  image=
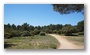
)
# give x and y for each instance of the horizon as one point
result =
(39, 25)
(38, 15)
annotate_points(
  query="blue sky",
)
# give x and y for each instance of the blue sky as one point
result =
(38, 14)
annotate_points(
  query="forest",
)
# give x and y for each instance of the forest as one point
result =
(26, 29)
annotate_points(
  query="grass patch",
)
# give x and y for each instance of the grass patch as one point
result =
(31, 42)
(79, 40)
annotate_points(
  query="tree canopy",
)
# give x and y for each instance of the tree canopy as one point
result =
(29, 30)
(68, 8)
(80, 26)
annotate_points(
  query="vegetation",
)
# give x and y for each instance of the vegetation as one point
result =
(29, 30)
(42, 34)
(68, 8)
(26, 36)
(32, 42)
(80, 26)
(69, 30)
(81, 33)
(79, 40)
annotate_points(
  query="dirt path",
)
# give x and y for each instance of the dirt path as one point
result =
(65, 44)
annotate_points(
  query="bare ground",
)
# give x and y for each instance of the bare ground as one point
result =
(65, 44)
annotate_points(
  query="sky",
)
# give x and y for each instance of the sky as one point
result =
(38, 15)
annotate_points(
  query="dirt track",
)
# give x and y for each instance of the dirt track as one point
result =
(65, 44)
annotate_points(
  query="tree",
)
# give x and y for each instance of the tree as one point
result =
(69, 30)
(67, 25)
(58, 27)
(13, 26)
(80, 26)
(7, 26)
(25, 27)
(18, 27)
(31, 28)
(68, 8)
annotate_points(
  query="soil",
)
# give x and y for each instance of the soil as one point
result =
(65, 44)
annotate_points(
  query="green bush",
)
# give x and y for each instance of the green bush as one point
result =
(36, 32)
(68, 34)
(25, 33)
(81, 33)
(69, 30)
(74, 34)
(12, 33)
(42, 33)
(59, 32)
(15, 33)
(32, 33)
(55, 31)
(7, 35)
(50, 31)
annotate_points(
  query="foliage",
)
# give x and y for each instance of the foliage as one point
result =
(13, 33)
(59, 31)
(25, 33)
(80, 26)
(69, 30)
(7, 35)
(29, 30)
(81, 33)
(54, 31)
(36, 31)
(13, 26)
(42, 34)
(50, 31)
(32, 33)
(68, 8)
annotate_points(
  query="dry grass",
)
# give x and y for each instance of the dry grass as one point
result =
(79, 40)
(31, 42)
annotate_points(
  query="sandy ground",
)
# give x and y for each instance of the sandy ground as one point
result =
(65, 44)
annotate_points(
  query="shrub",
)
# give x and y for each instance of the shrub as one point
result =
(7, 35)
(32, 33)
(42, 33)
(59, 32)
(46, 30)
(15, 33)
(36, 32)
(50, 31)
(55, 31)
(81, 33)
(68, 34)
(69, 30)
(26, 33)
(74, 34)
(12, 33)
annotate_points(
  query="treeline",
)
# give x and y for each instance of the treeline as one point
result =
(29, 30)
